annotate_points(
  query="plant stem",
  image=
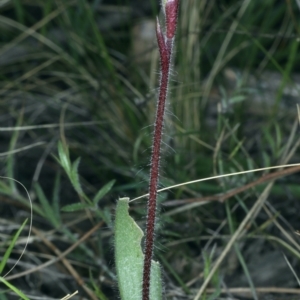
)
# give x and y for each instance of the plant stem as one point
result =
(165, 43)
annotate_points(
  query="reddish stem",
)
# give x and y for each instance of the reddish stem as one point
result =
(171, 10)
(165, 50)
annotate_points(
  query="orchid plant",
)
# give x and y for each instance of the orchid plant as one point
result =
(139, 276)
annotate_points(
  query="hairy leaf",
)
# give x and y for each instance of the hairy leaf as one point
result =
(129, 257)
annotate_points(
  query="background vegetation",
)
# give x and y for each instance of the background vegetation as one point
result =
(78, 72)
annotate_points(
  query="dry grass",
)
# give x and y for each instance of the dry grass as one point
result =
(64, 76)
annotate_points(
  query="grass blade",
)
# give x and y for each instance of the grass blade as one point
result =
(103, 191)
(10, 247)
(13, 288)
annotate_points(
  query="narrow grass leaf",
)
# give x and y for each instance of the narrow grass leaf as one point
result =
(4, 188)
(100, 43)
(75, 177)
(10, 247)
(55, 196)
(11, 159)
(47, 208)
(103, 191)
(14, 289)
(64, 158)
(239, 254)
(20, 11)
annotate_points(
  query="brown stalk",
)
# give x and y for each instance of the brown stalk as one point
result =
(59, 257)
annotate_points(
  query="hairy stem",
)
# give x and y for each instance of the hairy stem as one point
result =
(165, 44)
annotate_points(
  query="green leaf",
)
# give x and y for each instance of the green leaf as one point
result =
(236, 99)
(10, 167)
(155, 282)
(55, 196)
(75, 177)
(13, 288)
(64, 159)
(47, 208)
(76, 206)
(9, 249)
(130, 258)
(103, 191)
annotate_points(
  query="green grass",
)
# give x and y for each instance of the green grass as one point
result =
(60, 65)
